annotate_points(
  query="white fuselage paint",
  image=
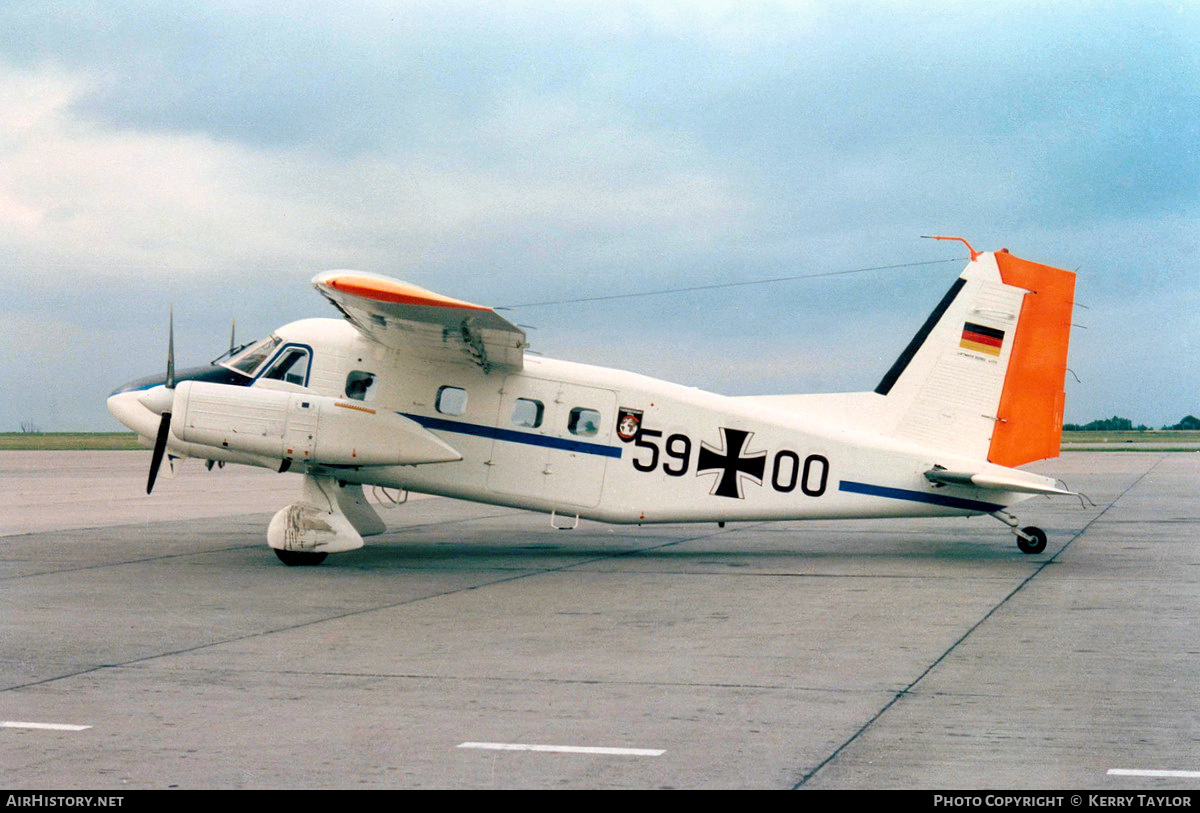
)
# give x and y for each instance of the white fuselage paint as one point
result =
(698, 456)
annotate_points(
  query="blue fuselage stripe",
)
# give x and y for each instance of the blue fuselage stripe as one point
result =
(512, 436)
(917, 496)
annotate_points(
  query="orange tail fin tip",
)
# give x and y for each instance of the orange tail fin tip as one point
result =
(1032, 401)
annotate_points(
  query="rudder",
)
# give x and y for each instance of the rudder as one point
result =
(1030, 416)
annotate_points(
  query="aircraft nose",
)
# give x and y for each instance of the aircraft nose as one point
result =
(139, 403)
(137, 384)
(125, 405)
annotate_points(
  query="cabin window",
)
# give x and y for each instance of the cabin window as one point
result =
(360, 385)
(583, 421)
(451, 400)
(528, 413)
(291, 366)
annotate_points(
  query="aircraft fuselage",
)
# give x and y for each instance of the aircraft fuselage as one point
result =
(607, 444)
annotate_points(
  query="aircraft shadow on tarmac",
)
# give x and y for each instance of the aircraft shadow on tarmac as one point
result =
(400, 551)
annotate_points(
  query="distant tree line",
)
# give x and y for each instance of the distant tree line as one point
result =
(1116, 424)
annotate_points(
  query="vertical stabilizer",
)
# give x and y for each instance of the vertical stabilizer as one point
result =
(983, 377)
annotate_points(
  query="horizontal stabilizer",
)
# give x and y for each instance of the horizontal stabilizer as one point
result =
(1011, 481)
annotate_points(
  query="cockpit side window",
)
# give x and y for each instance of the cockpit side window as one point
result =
(252, 357)
(291, 366)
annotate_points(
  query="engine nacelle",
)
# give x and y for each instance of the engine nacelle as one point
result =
(301, 427)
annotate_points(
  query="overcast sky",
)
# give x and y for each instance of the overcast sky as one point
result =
(217, 155)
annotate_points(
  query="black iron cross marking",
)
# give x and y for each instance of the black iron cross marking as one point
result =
(731, 464)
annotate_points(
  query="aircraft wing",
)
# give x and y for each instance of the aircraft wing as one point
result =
(406, 317)
(1010, 481)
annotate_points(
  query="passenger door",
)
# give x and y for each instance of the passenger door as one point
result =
(563, 457)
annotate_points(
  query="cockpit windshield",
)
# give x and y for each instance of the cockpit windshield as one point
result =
(230, 353)
(252, 356)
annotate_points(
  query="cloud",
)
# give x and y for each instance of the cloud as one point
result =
(92, 201)
(216, 154)
(85, 199)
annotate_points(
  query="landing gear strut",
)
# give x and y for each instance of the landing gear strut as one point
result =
(331, 516)
(1030, 539)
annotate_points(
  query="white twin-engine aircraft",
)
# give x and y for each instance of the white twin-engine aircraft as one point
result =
(417, 391)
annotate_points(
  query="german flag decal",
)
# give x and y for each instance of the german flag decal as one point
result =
(987, 340)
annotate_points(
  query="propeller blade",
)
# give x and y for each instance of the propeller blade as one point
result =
(164, 425)
(160, 446)
(170, 382)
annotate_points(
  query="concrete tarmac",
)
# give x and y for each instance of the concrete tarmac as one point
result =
(865, 654)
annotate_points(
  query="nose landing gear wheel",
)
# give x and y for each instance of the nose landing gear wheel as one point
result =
(304, 558)
(1037, 541)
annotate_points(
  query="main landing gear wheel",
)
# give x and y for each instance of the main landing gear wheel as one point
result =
(304, 558)
(1035, 544)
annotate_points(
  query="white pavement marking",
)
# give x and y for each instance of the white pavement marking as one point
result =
(564, 749)
(1168, 774)
(44, 726)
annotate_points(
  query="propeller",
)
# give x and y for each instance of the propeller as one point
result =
(164, 425)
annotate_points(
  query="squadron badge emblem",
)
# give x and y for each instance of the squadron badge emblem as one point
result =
(629, 421)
